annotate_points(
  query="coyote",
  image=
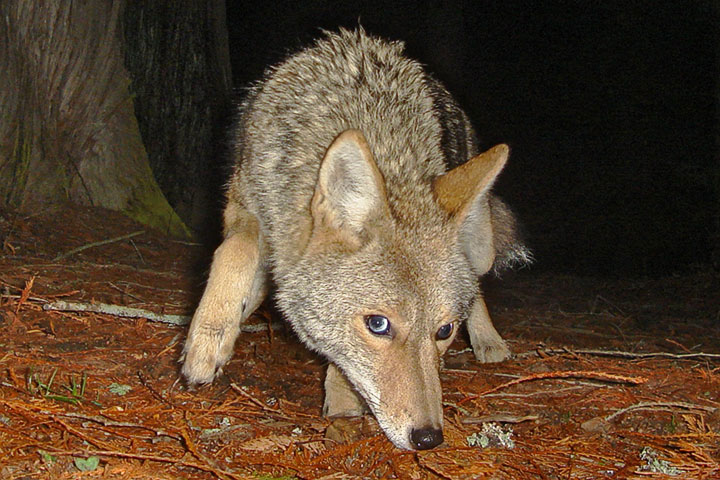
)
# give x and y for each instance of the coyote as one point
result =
(360, 193)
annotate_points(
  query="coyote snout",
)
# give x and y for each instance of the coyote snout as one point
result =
(398, 379)
(360, 192)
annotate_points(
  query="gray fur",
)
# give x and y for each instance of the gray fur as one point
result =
(350, 225)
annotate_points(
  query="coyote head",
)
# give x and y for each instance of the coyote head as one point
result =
(388, 274)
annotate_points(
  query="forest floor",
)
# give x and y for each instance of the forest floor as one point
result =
(611, 378)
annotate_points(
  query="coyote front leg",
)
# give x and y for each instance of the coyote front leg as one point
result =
(487, 343)
(235, 288)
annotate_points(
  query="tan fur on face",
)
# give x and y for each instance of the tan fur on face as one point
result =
(405, 391)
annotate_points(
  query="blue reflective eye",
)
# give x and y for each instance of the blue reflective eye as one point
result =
(444, 332)
(378, 324)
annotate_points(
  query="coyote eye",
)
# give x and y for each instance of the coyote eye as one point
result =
(444, 332)
(378, 324)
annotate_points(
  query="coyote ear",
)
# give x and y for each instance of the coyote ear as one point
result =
(350, 190)
(463, 192)
(457, 190)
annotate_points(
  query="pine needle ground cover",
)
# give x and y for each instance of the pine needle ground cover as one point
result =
(611, 378)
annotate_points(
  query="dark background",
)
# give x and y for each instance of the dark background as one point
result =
(609, 108)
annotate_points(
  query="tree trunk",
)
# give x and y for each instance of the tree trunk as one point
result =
(177, 54)
(68, 129)
(716, 231)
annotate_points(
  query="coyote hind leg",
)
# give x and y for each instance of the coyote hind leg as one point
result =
(235, 288)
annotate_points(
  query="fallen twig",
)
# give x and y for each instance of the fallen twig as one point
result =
(152, 390)
(268, 408)
(253, 399)
(117, 310)
(97, 244)
(576, 386)
(124, 292)
(131, 312)
(223, 474)
(617, 353)
(82, 436)
(112, 423)
(102, 420)
(28, 299)
(501, 418)
(607, 377)
(656, 405)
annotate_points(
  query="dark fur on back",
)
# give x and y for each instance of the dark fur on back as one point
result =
(458, 142)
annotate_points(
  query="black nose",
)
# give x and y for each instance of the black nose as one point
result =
(424, 438)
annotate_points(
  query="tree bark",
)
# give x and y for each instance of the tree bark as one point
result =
(177, 54)
(68, 129)
(715, 254)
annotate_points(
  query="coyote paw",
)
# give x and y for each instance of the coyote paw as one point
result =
(496, 351)
(204, 355)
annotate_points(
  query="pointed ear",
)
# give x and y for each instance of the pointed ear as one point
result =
(350, 191)
(463, 192)
(457, 190)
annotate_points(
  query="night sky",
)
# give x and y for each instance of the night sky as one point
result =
(609, 109)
